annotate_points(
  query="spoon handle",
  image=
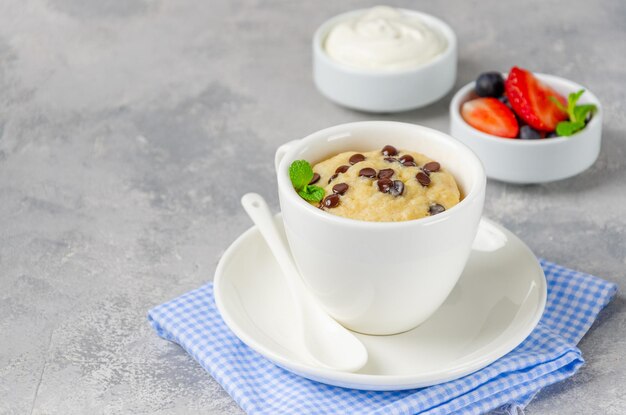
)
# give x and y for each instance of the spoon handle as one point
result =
(327, 343)
(259, 212)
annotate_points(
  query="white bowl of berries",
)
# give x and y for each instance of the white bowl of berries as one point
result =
(528, 127)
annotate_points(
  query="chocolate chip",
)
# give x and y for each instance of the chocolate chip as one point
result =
(397, 189)
(436, 208)
(406, 158)
(315, 179)
(425, 171)
(333, 177)
(356, 158)
(342, 169)
(422, 178)
(389, 151)
(432, 167)
(331, 201)
(340, 188)
(385, 173)
(390, 159)
(407, 161)
(393, 187)
(368, 172)
(384, 185)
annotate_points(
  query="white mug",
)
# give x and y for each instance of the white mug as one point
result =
(381, 277)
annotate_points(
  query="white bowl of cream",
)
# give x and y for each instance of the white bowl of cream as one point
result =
(384, 59)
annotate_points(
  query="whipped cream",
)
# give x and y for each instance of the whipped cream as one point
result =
(384, 38)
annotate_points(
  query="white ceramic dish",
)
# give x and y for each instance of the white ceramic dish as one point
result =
(381, 277)
(531, 161)
(385, 91)
(497, 302)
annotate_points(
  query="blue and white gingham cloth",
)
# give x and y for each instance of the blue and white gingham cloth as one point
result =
(547, 356)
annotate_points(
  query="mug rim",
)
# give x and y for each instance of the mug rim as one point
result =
(475, 191)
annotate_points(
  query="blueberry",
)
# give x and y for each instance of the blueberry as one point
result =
(527, 133)
(552, 134)
(490, 84)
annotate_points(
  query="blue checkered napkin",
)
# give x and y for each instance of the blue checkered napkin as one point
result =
(547, 356)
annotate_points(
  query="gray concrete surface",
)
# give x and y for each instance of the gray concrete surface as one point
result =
(130, 128)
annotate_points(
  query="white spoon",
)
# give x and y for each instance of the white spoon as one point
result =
(327, 342)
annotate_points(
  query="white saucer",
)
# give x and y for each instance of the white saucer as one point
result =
(497, 302)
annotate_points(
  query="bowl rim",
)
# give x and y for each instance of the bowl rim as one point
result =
(455, 113)
(444, 29)
(476, 190)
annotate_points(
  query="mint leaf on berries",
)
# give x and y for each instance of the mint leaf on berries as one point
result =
(577, 114)
(567, 128)
(301, 174)
(581, 111)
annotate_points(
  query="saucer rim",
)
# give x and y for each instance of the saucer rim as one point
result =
(371, 381)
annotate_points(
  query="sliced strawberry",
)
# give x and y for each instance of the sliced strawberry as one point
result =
(530, 99)
(490, 116)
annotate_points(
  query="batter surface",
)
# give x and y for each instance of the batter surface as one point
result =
(385, 185)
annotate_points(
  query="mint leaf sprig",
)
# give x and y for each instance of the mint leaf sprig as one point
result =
(301, 174)
(577, 114)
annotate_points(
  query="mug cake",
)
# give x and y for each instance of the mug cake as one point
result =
(387, 185)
